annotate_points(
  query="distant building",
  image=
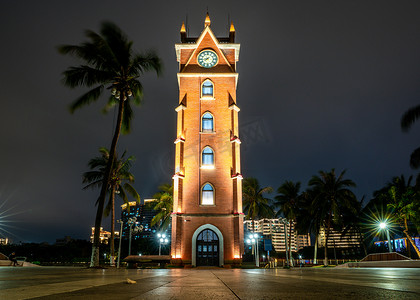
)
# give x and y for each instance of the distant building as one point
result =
(400, 244)
(104, 235)
(4, 241)
(340, 240)
(274, 229)
(144, 214)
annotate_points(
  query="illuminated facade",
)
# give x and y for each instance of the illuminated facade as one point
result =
(207, 221)
(144, 214)
(274, 229)
(104, 236)
(340, 240)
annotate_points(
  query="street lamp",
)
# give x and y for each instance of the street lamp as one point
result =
(162, 240)
(253, 240)
(119, 246)
(384, 225)
(137, 228)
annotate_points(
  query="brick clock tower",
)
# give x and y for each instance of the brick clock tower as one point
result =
(207, 221)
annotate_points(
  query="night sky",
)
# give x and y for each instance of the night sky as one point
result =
(322, 84)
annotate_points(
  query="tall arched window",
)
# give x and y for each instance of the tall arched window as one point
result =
(207, 158)
(207, 89)
(207, 195)
(207, 122)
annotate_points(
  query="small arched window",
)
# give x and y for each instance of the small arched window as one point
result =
(207, 89)
(207, 122)
(207, 158)
(207, 195)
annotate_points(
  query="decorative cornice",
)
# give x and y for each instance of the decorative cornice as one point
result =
(179, 139)
(234, 107)
(237, 176)
(180, 107)
(235, 139)
(178, 175)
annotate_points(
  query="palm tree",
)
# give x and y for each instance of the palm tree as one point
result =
(308, 218)
(288, 201)
(332, 197)
(109, 63)
(256, 205)
(404, 202)
(164, 205)
(407, 120)
(119, 184)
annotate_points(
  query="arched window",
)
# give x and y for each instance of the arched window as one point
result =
(207, 158)
(207, 195)
(207, 89)
(207, 122)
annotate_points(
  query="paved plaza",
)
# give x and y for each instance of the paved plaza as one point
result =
(197, 284)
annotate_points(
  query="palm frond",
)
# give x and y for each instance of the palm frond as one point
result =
(127, 116)
(87, 98)
(415, 159)
(132, 191)
(146, 62)
(85, 76)
(409, 117)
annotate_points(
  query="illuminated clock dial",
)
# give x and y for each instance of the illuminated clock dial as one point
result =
(207, 58)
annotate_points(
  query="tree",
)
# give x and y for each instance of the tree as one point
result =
(407, 120)
(109, 63)
(288, 202)
(119, 184)
(308, 218)
(332, 197)
(404, 202)
(256, 205)
(164, 205)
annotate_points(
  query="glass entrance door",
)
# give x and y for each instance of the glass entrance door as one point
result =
(207, 248)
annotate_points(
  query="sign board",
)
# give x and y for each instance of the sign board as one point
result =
(268, 245)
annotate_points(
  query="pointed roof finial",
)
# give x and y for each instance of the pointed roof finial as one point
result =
(232, 28)
(183, 28)
(207, 21)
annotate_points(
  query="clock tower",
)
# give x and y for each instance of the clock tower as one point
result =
(207, 219)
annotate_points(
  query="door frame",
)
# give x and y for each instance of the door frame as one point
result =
(194, 243)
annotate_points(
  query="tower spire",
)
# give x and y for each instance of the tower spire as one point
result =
(183, 33)
(232, 33)
(207, 20)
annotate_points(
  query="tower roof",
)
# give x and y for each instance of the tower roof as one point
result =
(183, 28)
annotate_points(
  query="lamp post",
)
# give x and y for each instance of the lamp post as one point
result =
(162, 240)
(119, 246)
(130, 222)
(137, 228)
(253, 240)
(384, 225)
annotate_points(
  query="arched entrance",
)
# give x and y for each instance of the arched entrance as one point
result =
(207, 248)
(219, 257)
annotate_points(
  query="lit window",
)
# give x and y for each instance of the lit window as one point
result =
(207, 195)
(207, 89)
(207, 157)
(207, 122)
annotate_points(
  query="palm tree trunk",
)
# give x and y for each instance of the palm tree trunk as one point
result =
(94, 261)
(410, 239)
(316, 249)
(327, 234)
(290, 243)
(112, 256)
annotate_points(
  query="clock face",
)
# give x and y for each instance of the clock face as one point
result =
(207, 58)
